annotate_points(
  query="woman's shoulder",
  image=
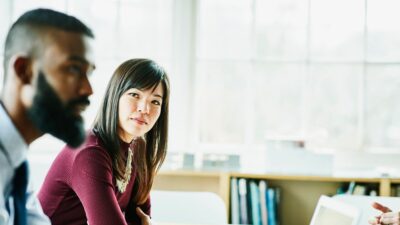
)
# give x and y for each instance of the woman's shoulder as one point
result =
(92, 147)
(92, 161)
(93, 140)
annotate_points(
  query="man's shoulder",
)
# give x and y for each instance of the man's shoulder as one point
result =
(6, 173)
(4, 159)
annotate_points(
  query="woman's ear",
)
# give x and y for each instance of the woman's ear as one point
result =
(23, 69)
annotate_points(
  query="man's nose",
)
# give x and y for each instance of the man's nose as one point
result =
(86, 87)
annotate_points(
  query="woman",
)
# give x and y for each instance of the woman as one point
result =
(107, 180)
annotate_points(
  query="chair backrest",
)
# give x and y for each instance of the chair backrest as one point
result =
(187, 207)
(364, 204)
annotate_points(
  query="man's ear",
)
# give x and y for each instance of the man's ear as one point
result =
(22, 66)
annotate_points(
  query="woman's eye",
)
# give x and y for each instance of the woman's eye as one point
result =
(155, 102)
(133, 94)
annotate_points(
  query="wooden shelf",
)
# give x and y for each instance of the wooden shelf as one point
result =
(299, 194)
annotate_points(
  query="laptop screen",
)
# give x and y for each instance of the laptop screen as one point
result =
(333, 212)
(327, 216)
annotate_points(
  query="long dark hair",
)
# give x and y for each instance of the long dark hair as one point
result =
(142, 74)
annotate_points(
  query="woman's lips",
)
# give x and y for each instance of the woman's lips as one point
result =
(140, 121)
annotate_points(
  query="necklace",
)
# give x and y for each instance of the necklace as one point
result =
(122, 183)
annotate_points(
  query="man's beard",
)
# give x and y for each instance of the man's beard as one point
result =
(50, 115)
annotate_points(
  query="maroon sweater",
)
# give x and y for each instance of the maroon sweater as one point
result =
(80, 188)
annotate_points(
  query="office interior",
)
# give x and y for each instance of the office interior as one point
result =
(298, 96)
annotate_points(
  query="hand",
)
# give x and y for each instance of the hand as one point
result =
(380, 207)
(143, 217)
(390, 218)
(387, 216)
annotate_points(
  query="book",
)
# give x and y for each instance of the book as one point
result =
(271, 206)
(359, 189)
(350, 190)
(235, 202)
(373, 193)
(277, 203)
(249, 205)
(263, 202)
(243, 201)
(371, 189)
(342, 189)
(255, 203)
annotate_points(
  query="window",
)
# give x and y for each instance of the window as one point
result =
(297, 69)
(324, 70)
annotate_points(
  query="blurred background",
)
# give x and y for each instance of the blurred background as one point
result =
(323, 73)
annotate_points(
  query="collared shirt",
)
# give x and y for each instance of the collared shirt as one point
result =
(13, 151)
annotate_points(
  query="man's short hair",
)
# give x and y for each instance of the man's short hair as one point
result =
(25, 33)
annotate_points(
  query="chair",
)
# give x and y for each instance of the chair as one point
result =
(364, 204)
(187, 207)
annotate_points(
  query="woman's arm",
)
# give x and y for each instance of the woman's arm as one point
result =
(92, 182)
(131, 214)
(145, 219)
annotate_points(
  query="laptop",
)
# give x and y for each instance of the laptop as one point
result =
(330, 211)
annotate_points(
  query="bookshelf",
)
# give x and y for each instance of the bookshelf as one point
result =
(299, 194)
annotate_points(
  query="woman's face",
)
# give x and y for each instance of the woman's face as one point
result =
(138, 111)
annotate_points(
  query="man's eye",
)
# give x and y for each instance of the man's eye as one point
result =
(75, 70)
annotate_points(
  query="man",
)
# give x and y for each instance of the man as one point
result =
(47, 60)
(387, 216)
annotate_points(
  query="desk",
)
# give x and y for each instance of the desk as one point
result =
(164, 223)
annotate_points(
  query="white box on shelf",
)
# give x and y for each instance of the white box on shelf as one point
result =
(290, 157)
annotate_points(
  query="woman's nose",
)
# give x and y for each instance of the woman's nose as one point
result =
(142, 107)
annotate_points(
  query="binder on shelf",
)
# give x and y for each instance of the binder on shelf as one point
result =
(360, 189)
(371, 189)
(249, 204)
(397, 190)
(271, 206)
(263, 202)
(235, 201)
(243, 201)
(354, 188)
(277, 203)
(350, 190)
(255, 203)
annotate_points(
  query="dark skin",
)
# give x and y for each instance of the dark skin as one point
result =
(66, 60)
